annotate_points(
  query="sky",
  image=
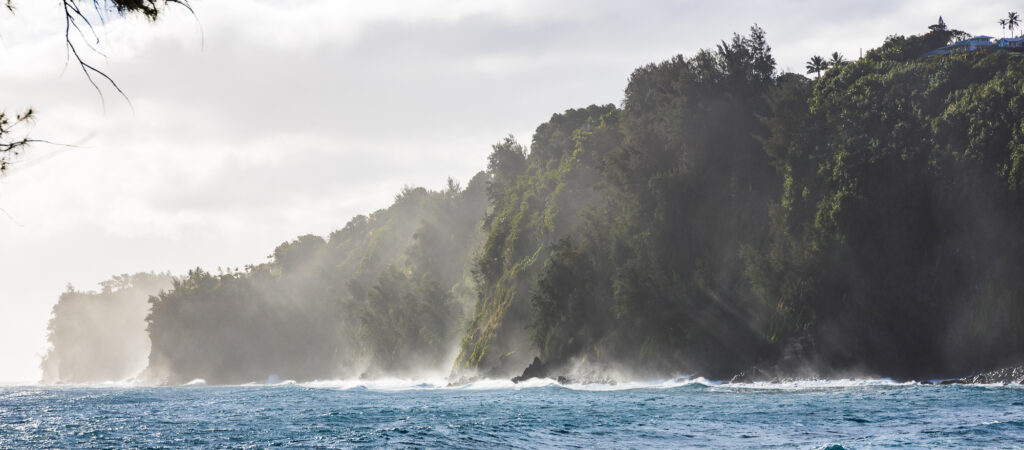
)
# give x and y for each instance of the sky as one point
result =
(256, 121)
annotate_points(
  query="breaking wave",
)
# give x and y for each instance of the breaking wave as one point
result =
(441, 383)
(397, 384)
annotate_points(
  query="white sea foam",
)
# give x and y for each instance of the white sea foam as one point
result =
(652, 384)
(820, 384)
(439, 382)
(125, 383)
(128, 382)
(993, 385)
(379, 384)
(398, 384)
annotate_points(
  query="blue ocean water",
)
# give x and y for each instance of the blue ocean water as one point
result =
(850, 414)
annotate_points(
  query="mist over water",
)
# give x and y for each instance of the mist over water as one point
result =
(386, 295)
(98, 337)
(725, 221)
(726, 254)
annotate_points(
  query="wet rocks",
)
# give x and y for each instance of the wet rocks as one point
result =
(536, 369)
(753, 375)
(774, 375)
(590, 378)
(1007, 375)
(461, 380)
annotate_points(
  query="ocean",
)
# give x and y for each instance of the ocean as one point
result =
(498, 414)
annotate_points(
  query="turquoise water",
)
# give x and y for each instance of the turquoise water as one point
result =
(488, 414)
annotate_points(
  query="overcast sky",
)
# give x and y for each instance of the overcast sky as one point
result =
(267, 119)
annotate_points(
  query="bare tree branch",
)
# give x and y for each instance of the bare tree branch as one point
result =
(13, 138)
(9, 148)
(71, 15)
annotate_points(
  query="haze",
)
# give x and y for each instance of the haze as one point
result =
(275, 119)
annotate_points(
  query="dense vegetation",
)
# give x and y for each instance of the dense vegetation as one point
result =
(382, 296)
(725, 216)
(101, 336)
(896, 243)
(866, 221)
(628, 225)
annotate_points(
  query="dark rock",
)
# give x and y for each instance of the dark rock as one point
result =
(1007, 375)
(742, 377)
(926, 383)
(586, 378)
(536, 369)
(754, 375)
(461, 381)
(371, 374)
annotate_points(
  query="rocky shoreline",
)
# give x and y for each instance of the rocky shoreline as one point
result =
(1006, 375)
(538, 369)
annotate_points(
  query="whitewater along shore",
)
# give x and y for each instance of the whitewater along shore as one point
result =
(1007, 375)
(538, 369)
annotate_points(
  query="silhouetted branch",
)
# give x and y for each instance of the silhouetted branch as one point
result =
(11, 218)
(10, 148)
(73, 15)
(77, 19)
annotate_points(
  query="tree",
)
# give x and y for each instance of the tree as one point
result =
(11, 144)
(506, 162)
(836, 60)
(1003, 23)
(816, 65)
(949, 36)
(13, 136)
(1012, 21)
(957, 36)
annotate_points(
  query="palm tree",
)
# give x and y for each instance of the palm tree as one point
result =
(836, 60)
(816, 65)
(1002, 23)
(1012, 21)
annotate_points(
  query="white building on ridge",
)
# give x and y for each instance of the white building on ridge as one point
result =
(965, 46)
